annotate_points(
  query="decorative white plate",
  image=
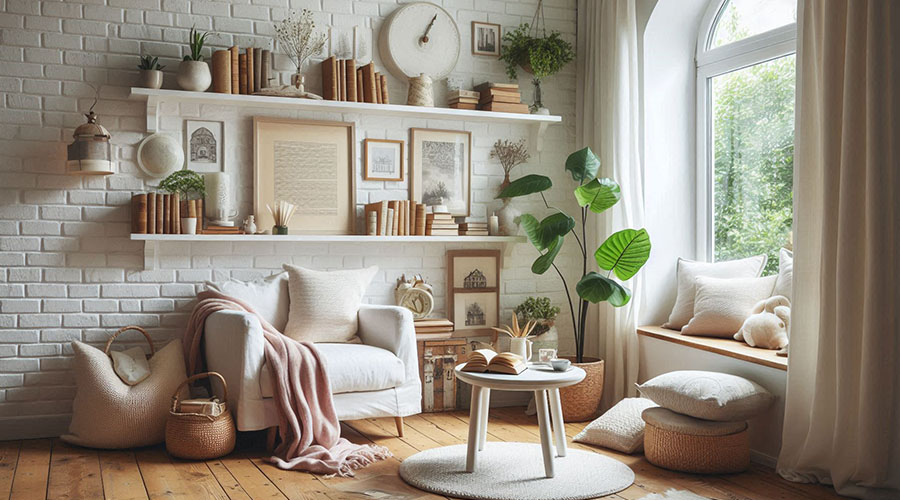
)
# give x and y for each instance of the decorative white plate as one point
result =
(159, 155)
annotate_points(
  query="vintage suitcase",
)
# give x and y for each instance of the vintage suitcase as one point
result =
(437, 359)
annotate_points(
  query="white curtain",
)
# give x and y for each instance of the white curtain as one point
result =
(842, 414)
(608, 121)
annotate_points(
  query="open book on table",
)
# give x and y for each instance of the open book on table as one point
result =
(486, 360)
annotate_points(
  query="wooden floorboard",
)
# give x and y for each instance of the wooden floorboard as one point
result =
(42, 468)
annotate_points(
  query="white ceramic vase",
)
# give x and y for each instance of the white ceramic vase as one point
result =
(520, 346)
(150, 79)
(194, 76)
(188, 225)
(509, 218)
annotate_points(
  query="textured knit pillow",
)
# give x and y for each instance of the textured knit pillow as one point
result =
(621, 428)
(108, 413)
(687, 274)
(722, 305)
(269, 296)
(708, 395)
(324, 304)
(784, 286)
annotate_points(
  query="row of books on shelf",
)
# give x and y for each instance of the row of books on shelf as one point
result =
(343, 81)
(489, 96)
(234, 72)
(159, 213)
(407, 218)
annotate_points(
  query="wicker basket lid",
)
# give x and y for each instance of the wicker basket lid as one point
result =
(91, 128)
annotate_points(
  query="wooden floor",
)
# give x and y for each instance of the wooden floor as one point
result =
(44, 468)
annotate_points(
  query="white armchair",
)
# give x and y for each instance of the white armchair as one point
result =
(378, 377)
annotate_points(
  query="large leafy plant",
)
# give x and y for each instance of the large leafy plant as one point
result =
(621, 256)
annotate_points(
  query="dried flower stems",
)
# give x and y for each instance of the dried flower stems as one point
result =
(515, 331)
(510, 154)
(298, 36)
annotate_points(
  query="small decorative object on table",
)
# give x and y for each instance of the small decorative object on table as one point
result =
(186, 186)
(250, 225)
(200, 429)
(298, 37)
(415, 295)
(282, 215)
(151, 72)
(193, 72)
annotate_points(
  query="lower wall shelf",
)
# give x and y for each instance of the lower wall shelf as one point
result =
(153, 241)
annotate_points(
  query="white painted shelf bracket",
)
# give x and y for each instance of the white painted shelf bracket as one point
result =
(537, 135)
(153, 102)
(151, 255)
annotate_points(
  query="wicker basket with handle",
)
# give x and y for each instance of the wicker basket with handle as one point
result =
(197, 436)
(125, 329)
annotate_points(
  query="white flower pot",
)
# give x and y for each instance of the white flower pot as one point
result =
(188, 225)
(194, 75)
(150, 79)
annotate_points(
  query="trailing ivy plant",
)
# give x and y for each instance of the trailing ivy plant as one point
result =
(622, 254)
(543, 56)
(185, 183)
(196, 41)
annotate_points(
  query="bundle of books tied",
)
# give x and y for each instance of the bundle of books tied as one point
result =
(395, 218)
(471, 227)
(343, 81)
(440, 224)
(503, 97)
(486, 360)
(433, 328)
(236, 73)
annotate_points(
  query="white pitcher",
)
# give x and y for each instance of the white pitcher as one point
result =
(520, 346)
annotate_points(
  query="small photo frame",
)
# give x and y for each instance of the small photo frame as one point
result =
(485, 39)
(473, 291)
(383, 160)
(204, 149)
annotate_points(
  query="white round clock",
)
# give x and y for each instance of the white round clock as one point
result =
(419, 38)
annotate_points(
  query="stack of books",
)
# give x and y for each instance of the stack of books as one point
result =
(214, 229)
(159, 213)
(463, 99)
(343, 81)
(503, 97)
(433, 328)
(473, 228)
(440, 224)
(236, 73)
(395, 218)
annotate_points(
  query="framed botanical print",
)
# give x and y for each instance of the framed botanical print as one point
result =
(203, 142)
(309, 164)
(485, 39)
(383, 160)
(441, 168)
(473, 291)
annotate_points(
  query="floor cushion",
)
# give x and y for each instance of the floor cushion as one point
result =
(708, 395)
(269, 296)
(352, 368)
(682, 443)
(620, 428)
(669, 420)
(722, 305)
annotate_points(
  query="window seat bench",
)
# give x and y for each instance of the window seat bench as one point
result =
(726, 347)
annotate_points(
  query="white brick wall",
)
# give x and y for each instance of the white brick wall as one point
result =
(67, 268)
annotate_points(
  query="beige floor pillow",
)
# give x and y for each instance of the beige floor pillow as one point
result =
(108, 413)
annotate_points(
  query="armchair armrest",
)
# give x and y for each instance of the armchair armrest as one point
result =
(391, 328)
(235, 348)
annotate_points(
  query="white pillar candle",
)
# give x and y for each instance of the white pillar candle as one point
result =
(218, 196)
(494, 225)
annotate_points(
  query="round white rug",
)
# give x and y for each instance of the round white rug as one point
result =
(515, 471)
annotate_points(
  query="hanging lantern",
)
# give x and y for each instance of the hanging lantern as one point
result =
(91, 153)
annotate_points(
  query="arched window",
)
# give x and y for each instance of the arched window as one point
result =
(745, 128)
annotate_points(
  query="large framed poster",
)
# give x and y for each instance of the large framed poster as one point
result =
(441, 168)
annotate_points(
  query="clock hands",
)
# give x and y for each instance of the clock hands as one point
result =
(424, 38)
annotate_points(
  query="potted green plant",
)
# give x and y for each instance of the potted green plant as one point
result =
(151, 72)
(189, 186)
(622, 255)
(543, 313)
(193, 72)
(542, 55)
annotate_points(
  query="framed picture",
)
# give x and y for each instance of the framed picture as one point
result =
(383, 160)
(203, 146)
(473, 291)
(441, 168)
(309, 164)
(485, 39)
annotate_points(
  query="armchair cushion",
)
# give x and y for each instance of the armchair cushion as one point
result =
(269, 296)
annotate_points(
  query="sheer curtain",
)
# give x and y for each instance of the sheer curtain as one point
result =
(842, 414)
(608, 121)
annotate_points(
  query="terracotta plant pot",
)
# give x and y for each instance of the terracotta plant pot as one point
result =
(581, 402)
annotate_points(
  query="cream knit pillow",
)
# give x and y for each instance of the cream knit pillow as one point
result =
(620, 428)
(269, 296)
(722, 305)
(325, 304)
(708, 395)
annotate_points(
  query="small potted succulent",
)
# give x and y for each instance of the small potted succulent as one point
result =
(189, 187)
(193, 72)
(543, 313)
(538, 53)
(151, 72)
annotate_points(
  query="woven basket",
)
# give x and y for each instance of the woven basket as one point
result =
(199, 437)
(698, 454)
(581, 402)
(125, 329)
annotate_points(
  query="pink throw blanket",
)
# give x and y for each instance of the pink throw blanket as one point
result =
(310, 431)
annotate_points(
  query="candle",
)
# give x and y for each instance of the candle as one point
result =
(218, 197)
(494, 225)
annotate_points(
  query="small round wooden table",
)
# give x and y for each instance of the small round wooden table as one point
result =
(540, 379)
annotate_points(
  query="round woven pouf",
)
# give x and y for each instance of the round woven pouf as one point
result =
(515, 471)
(679, 442)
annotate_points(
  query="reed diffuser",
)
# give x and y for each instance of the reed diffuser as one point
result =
(282, 214)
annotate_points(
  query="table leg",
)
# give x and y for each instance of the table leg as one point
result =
(559, 427)
(474, 426)
(485, 409)
(540, 397)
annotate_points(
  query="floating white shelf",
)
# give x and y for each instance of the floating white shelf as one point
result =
(154, 98)
(153, 241)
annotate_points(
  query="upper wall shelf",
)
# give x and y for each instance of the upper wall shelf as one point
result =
(154, 98)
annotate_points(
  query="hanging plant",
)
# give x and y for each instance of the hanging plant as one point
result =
(541, 56)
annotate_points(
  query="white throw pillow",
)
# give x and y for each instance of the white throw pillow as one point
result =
(687, 274)
(269, 296)
(708, 395)
(621, 428)
(783, 286)
(325, 304)
(722, 305)
(130, 365)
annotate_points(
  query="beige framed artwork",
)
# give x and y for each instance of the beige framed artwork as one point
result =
(473, 291)
(441, 168)
(309, 164)
(383, 160)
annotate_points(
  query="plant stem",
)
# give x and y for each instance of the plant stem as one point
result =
(571, 308)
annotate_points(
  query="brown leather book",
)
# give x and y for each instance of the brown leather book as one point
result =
(242, 73)
(462, 105)
(265, 71)
(251, 88)
(488, 86)
(329, 79)
(151, 213)
(512, 99)
(160, 221)
(360, 94)
(221, 71)
(368, 74)
(235, 78)
(395, 206)
(420, 219)
(257, 69)
(384, 90)
(506, 107)
(163, 214)
(342, 79)
(139, 213)
(200, 215)
(350, 68)
(378, 97)
(176, 213)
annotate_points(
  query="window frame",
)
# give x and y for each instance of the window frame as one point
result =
(712, 62)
